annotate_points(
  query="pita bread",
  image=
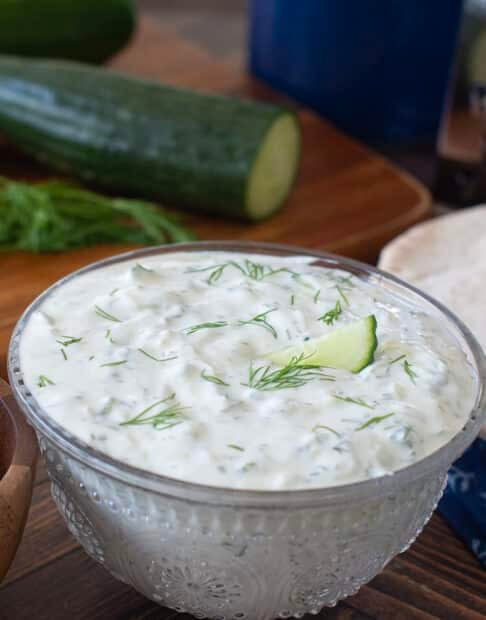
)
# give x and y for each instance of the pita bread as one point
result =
(446, 258)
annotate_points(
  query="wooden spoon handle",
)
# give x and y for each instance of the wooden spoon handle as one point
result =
(19, 442)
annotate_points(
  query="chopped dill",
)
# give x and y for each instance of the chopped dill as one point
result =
(91, 357)
(216, 271)
(157, 359)
(316, 296)
(299, 278)
(261, 321)
(106, 315)
(108, 334)
(213, 379)
(114, 291)
(250, 269)
(235, 447)
(326, 428)
(65, 341)
(63, 353)
(397, 359)
(210, 325)
(345, 281)
(331, 315)
(292, 300)
(256, 271)
(294, 374)
(114, 363)
(375, 420)
(342, 295)
(167, 417)
(407, 367)
(356, 401)
(44, 381)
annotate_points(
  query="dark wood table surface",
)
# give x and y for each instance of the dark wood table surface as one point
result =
(53, 579)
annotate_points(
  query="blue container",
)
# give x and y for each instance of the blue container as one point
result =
(379, 69)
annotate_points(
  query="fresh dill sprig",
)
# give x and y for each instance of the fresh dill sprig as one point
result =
(342, 295)
(397, 359)
(114, 363)
(326, 428)
(65, 341)
(355, 401)
(44, 381)
(294, 374)
(407, 367)
(63, 353)
(317, 295)
(257, 271)
(167, 417)
(216, 271)
(331, 315)
(250, 269)
(210, 325)
(157, 359)
(235, 447)
(375, 420)
(106, 315)
(213, 379)
(55, 216)
(262, 321)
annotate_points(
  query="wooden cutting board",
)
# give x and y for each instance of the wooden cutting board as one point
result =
(346, 200)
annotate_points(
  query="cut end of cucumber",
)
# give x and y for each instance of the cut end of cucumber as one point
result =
(351, 347)
(274, 168)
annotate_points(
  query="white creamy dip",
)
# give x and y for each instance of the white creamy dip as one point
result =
(149, 361)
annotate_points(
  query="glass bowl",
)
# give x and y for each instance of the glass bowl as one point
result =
(233, 554)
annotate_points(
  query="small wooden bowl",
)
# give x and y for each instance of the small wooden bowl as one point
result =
(18, 457)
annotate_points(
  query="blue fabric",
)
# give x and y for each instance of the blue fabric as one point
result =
(463, 505)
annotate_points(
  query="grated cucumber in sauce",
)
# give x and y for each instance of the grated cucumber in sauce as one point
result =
(150, 361)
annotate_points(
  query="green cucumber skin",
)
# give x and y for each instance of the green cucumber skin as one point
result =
(373, 325)
(83, 30)
(143, 138)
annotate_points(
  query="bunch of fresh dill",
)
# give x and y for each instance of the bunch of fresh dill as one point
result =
(55, 216)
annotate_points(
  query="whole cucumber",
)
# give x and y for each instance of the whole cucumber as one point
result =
(216, 154)
(84, 30)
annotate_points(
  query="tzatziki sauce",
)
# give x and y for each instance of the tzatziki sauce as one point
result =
(159, 362)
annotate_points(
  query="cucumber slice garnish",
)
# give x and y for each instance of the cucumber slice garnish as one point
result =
(351, 347)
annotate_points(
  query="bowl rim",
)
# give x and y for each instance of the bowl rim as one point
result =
(437, 462)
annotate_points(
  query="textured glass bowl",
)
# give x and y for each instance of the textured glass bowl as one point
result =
(225, 553)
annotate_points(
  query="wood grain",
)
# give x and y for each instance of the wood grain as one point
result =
(18, 455)
(348, 200)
